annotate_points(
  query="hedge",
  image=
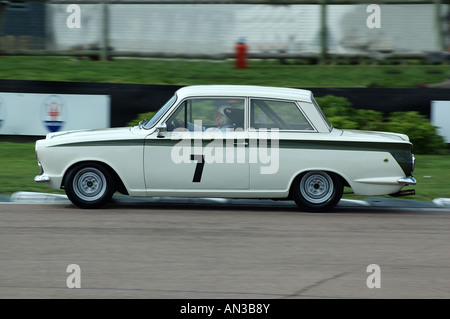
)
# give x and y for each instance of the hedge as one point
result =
(421, 132)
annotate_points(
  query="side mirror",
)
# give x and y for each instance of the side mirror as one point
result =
(161, 128)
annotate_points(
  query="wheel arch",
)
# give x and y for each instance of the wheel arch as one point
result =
(317, 190)
(326, 170)
(120, 186)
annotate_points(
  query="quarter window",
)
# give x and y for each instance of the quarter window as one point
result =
(282, 115)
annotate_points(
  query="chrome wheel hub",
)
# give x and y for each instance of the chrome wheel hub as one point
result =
(89, 184)
(316, 187)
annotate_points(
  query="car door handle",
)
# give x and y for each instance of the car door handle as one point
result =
(241, 143)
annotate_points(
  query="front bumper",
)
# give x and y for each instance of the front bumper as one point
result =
(42, 178)
(407, 181)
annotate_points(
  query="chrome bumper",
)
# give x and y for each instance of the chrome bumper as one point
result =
(42, 179)
(407, 181)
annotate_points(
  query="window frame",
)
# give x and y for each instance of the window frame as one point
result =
(322, 115)
(250, 115)
(164, 110)
(216, 97)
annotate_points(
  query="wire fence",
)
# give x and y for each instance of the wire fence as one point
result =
(211, 29)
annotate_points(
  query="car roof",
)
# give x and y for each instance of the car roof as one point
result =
(245, 91)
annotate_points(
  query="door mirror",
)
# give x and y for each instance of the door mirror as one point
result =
(161, 128)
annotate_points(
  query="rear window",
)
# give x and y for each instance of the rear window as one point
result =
(282, 115)
(330, 127)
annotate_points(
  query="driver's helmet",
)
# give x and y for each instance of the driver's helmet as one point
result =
(224, 109)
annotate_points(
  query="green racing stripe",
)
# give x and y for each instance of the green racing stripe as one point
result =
(400, 151)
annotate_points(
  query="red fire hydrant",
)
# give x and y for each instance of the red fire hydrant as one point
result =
(241, 54)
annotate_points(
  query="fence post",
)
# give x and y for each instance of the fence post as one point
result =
(439, 24)
(3, 5)
(323, 30)
(104, 56)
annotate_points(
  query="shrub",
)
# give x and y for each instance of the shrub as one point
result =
(335, 106)
(343, 122)
(140, 117)
(421, 132)
(339, 111)
(370, 120)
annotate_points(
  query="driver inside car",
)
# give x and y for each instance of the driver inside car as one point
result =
(222, 121)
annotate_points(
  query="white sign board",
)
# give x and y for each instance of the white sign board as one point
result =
(39, 114)
(440, 117)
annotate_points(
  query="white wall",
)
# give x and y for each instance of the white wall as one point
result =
(440, 117)
(203, 28)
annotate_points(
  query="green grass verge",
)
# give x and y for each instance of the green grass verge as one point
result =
(18, 167)
(182, 72)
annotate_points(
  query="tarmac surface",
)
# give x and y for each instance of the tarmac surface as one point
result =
(373, 202)
(169, 248)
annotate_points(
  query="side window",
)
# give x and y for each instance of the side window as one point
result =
(283, 115)
(177, 120)
(208, 113)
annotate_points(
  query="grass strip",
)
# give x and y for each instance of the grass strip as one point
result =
(184, 72)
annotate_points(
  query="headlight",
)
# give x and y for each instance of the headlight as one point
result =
(413, 163)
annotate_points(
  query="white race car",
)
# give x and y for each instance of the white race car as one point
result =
(228, 141)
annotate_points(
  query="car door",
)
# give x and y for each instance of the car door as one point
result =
(274, 127)
(195, 155)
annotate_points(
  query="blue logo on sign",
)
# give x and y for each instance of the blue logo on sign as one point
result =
(53, 113)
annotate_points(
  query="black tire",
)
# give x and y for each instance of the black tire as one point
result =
(317, 191)
(89, 185)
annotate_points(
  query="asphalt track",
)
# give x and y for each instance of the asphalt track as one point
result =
(224, 249)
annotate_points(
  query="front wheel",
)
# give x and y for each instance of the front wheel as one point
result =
(89, 185)
(317, 190)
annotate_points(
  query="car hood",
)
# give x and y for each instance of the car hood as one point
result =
(375, 135)
(91, 135)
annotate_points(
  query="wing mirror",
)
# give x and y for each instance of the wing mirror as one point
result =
(162, 127)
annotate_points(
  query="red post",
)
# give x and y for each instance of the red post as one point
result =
(241, 54)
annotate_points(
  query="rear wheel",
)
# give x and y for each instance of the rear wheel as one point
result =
(89, 185)
(317, 190)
